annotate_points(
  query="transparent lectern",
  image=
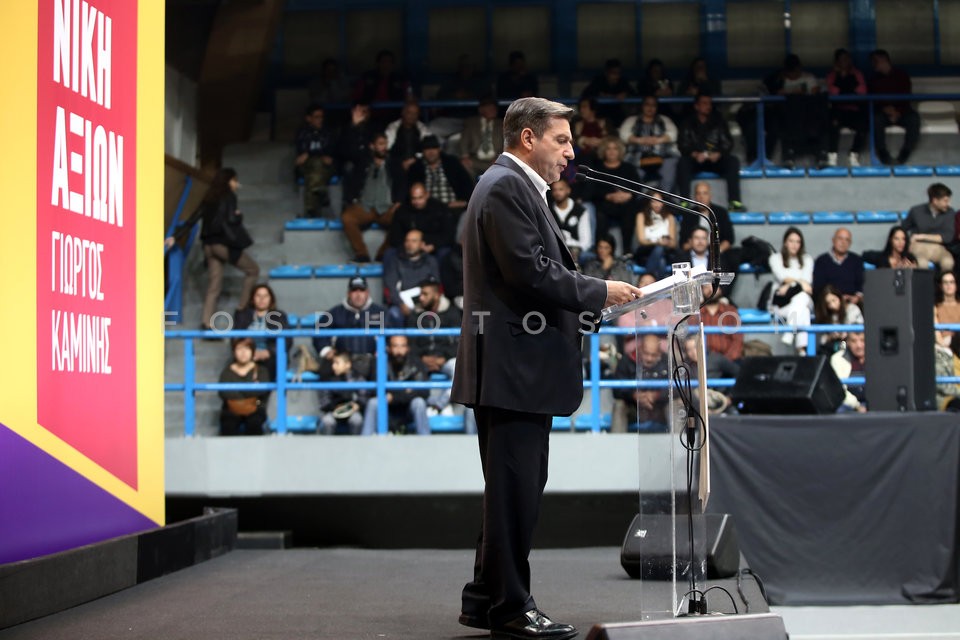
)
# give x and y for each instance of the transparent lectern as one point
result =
(666, 545)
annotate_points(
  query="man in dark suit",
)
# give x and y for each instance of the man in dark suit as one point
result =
(518, 363)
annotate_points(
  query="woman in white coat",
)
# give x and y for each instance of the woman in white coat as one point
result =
(792, 301)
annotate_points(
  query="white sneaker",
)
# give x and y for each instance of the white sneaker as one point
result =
(831, 158)
(853, 159)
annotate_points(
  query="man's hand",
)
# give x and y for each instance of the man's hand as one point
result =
(620, 292)
(302, 158)
(169, 242)
(327, 160)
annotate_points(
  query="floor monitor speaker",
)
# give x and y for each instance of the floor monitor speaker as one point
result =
(756, 626)
(647, 549)
(787, 385)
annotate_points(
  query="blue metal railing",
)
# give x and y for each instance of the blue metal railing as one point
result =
(175, 256)
(189, 387)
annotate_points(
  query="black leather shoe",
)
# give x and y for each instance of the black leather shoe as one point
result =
(477, 622)
(533, 625)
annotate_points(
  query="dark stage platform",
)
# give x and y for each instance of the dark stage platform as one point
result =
(345, 594)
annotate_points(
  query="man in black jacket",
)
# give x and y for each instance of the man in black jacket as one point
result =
(427, 214)
(706, 145)
(443, 175)
(406, 406)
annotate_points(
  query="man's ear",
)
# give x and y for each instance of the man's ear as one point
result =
(527, 137)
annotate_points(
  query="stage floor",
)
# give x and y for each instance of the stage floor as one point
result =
(346, 594)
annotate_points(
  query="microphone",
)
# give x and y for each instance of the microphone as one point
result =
(639, 189)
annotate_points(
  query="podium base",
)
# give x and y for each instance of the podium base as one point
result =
(756, 626)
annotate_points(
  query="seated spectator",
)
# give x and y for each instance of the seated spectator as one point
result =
(466, 84)
(706, 145)
(718, 312)
(846, 80)
(373, 190)
(316, 146)
(696, 82)
(403, 272)
(792, 301)
(656, 236)
(383, 84)
(355, 138)
(655, 81)
(651, 140)
(748, 118)
(894, 254)
(572, 218)
(653, 314)
(243, 412)
(405, 135)
(330, 87)
(946, 310)
(516, 82)
(703, 194)
(607, 265)
(848, 362)
(427, 214)
(698, 251)
(831, 308)
(805, 119)
(932, 228)
(443, 176)
(946, 363)
(717, 367)
(406, 407)
(481, 140)
(647, 408)
(615, 207)
(887, 78)
(840, 267)
(341, 410)
(611, 85)
(357, 311)
(261, 314)
(437, 353)
(589, 130)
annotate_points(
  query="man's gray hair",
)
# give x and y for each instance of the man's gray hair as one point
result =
(530, 113)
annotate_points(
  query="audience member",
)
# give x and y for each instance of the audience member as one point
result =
(443, 175)
(805, 121)
(703, 194)
(572, 218)
(651, 140)
(406, 407)
(406, 134)
(653, 314)
(243, 412)
(831, 308)
(383, 84)
(792, 301)
(656, 238)
(589, 130)
(932, 228)
(716, 367)
(615, 207)
(403, 272)
(374, 190)
(718, 312)
(848, 362)
(655, 81)
(355, 137)
(516, 81)
(341, 410)
(330, 87)
(894, 254)
(261, 314)
(887, 79)
(747, 117)
(946, 310)
(224, 239)
(466, 84)
(611, 85)
(316, 147)
(946, 363)
(698, 82)
(846, 80)
(427, 214)
(607, 265)
(438, 354)
(840, 267)
(706, 145)
(357, 311)
(646, 408)
(481, 140)
(697, 252)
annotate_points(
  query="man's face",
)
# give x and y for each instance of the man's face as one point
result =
(410, 114)
(418, 197)
(358, 297)
(413, 243)
(379, 147)
(703, 106)
(560, 191)
(551, 153)
(841, 242)
(487, 111)
(398, 348)
(941, 204)
(699, 241)
(340, 365)
(880, 64)
(315, 119)
(702, 193)
(856, 344)
(613, 75)
(431, 155)
(429, 296)
(650, 351)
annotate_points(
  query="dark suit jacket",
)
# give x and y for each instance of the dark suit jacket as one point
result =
(470, 137)
(515, 262)
(691, 221)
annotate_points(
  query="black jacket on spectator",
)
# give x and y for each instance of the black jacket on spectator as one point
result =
(691, 221)
(317, 142)
(431, 344)
(712, 135)
(355, 178)
(411, 370)
(343, 316)
(457, 176)
(328, 399)
(354, 143)
(434, 220)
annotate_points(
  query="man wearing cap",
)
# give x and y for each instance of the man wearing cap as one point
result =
(519, 361)
(356, 311)
(442, 174)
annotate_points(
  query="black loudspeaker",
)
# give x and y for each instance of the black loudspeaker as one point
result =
(756, 626)
(648, 549)
(898, 324)
(787, 385)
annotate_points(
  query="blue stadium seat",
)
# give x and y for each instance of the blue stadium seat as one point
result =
(302, 424)
(637, 269)
(335, 270)
(308, 321)
(562, 423)
(748, 217)
(870, 172)
(306, 224)
(292, 272)
(334, 225)
(754, 316)
(446, 424)
(372, 270)
(439, 376)
(912, 170)
(747, 267)
(828, 172)
(869, 266)
(788, 217)
(948, 170)
(878, 217)
(833, 217)
(306, 376)
(706, 175)
(783, 172)
(748, 172)
(293, 319)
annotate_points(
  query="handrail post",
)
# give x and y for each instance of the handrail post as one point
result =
(189, 383)
(761, 136)
(281, 421)
(382, 407)
(595, 381)
(874, 160)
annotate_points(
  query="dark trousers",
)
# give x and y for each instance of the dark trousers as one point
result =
(909, 120)
(514, 448)
(850, 119)
(234, 425)
(728, 167)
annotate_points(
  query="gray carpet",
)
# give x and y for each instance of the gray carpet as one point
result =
(343, 594)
